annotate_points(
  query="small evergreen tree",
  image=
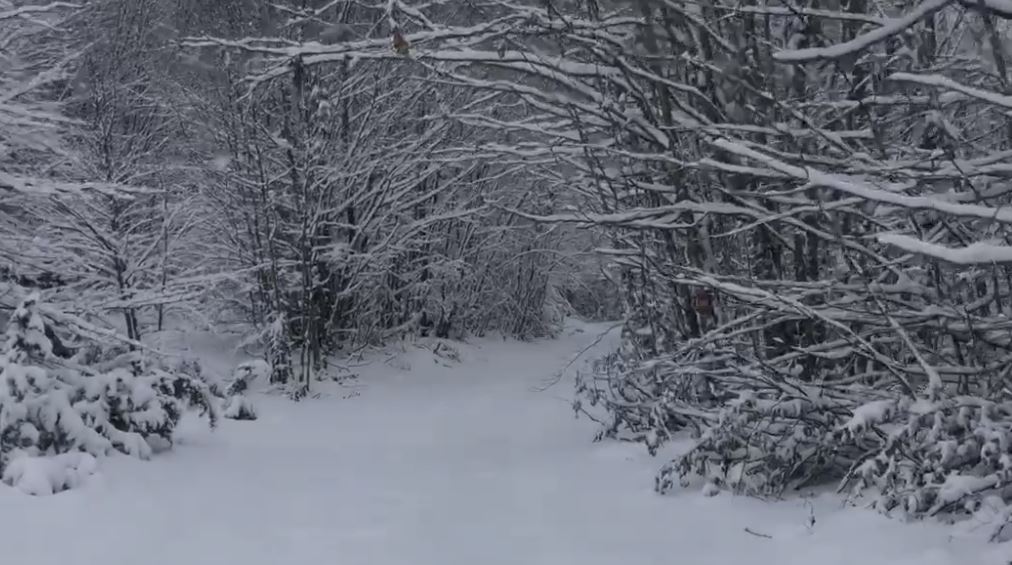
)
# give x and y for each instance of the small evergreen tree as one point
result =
(49, 407)
(237, 405)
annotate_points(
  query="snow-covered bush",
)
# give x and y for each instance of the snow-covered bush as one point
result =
(931, 456)
(49, 408)
(923, 453)
(921, 456)
(237, 405)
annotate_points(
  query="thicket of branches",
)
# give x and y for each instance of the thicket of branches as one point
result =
(161, 168)
(806, 203)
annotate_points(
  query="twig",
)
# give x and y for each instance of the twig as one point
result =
(757, 534)
(561, 372)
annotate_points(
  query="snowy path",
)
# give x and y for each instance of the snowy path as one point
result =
(437, 466)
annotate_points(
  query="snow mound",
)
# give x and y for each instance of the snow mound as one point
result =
(41, 476)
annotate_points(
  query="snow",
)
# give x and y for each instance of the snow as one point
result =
(441, 463)
(39, 476)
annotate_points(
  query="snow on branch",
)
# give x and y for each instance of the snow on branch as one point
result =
(860, 189)
(22, 11)
(890, 28)
(947, 83)
(282, 48)
(979, 253)
(48, 187)
(667, 217)
(794, 11)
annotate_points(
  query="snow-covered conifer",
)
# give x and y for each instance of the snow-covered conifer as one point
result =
(51, 409)
(238, 406)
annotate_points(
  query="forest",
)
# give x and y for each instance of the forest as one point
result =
(796, 210)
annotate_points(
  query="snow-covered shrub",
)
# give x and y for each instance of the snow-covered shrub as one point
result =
(624, 420)
(49, 408)
(917, 455)
(930, 456)
(922, 453)
(757, 442)
(237, 405)
(279, 350)
(130, 409)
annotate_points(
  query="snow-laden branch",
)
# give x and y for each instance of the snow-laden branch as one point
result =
(979, 253)
(42, 186)
(939, 81)
(858, 188)
(337, 51)
(22, 11)
(890, 28)
(795, 11)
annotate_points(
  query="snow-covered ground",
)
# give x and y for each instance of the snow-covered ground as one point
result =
(424, 462)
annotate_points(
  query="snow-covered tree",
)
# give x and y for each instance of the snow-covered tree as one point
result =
(238, 405)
